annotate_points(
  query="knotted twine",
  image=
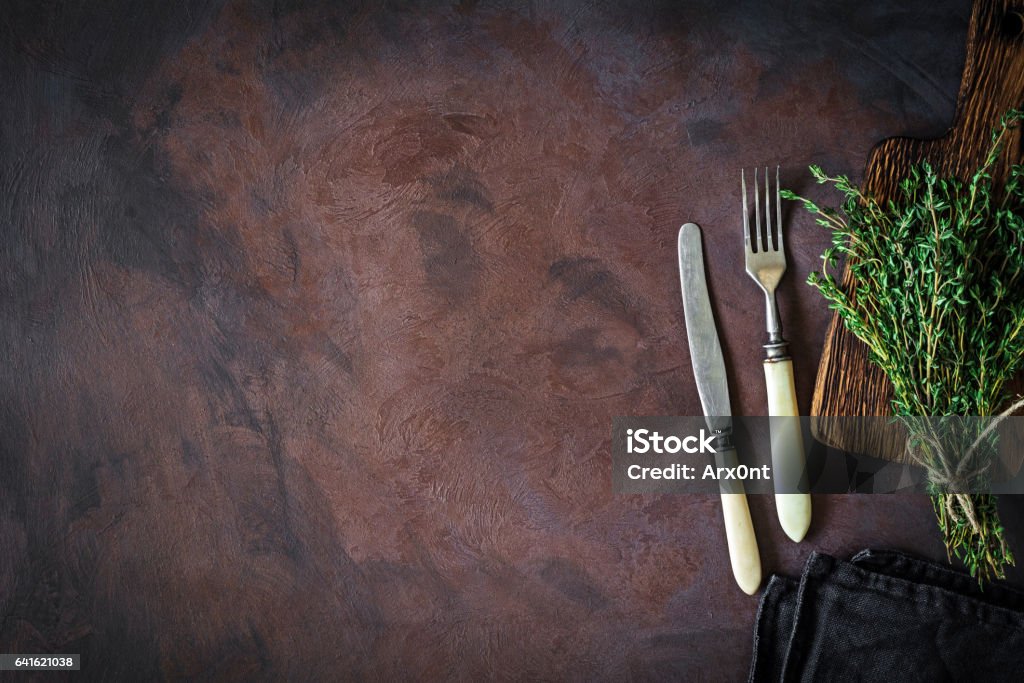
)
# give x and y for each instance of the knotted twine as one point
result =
(947, 474)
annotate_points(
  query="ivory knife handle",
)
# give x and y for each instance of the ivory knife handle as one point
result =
(739, 531)
(788, 459)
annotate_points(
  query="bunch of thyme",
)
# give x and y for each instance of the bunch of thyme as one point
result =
(938, 298)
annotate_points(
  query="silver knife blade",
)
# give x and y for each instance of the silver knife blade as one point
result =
(701, 333)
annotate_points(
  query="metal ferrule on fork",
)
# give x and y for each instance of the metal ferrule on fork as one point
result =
(777, 347)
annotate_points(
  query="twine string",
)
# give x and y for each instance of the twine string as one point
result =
(951, 475)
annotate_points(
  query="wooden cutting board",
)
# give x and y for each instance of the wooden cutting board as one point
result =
(993, 81)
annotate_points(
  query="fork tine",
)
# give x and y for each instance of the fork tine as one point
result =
(746, 216)
(768, 241)
(778, 208)
(757, 213)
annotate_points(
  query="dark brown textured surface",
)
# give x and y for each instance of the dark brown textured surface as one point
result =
(315, 317)
(993, 82)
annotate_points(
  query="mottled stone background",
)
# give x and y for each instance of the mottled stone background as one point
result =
(315, 315)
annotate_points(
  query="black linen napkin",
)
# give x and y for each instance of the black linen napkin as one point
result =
(885, 616)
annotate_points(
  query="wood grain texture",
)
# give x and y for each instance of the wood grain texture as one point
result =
(993, 82)
(315, 316)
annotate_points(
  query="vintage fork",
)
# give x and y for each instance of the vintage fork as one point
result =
(766, 264)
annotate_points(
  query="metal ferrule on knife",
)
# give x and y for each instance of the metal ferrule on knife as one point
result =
(723, 440)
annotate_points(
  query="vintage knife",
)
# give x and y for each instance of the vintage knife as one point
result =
(709, 372)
